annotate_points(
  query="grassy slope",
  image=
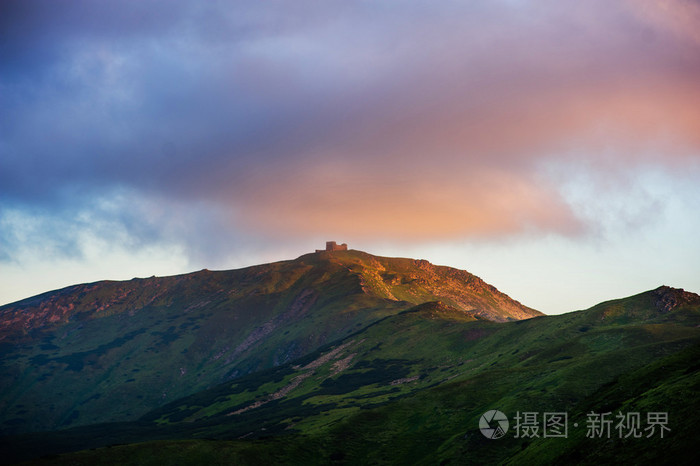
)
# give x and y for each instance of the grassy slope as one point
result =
(111, 351)
(627, 355)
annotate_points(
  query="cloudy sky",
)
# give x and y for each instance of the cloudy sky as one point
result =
(551, 147)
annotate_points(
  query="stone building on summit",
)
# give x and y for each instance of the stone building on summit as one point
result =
(332, 246)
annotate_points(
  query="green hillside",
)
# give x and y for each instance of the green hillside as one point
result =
(113, 351)
(410, 388)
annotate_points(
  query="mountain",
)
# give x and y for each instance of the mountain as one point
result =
(411, 387)
(113, 351)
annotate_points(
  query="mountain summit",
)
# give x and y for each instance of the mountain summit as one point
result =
(338, 357)
(149, 341)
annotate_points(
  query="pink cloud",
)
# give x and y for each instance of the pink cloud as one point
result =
(459, 154)
(364, 204)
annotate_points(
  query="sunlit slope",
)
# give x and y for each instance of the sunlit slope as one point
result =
(111, 351)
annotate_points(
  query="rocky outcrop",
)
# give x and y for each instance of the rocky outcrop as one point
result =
(668, 299)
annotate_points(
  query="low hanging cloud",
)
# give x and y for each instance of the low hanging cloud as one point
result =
(409, 120)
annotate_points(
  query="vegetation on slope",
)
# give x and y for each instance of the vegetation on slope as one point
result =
(411, 387)
(112, 351)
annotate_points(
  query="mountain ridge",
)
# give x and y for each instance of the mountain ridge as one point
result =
(365, 357)
(68, 353)
(411, 386)
(51, 308)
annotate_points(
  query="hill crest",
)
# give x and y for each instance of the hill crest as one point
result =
(149, 341)
(414, 281)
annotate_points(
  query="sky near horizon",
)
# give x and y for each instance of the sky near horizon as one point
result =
(550, 147)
